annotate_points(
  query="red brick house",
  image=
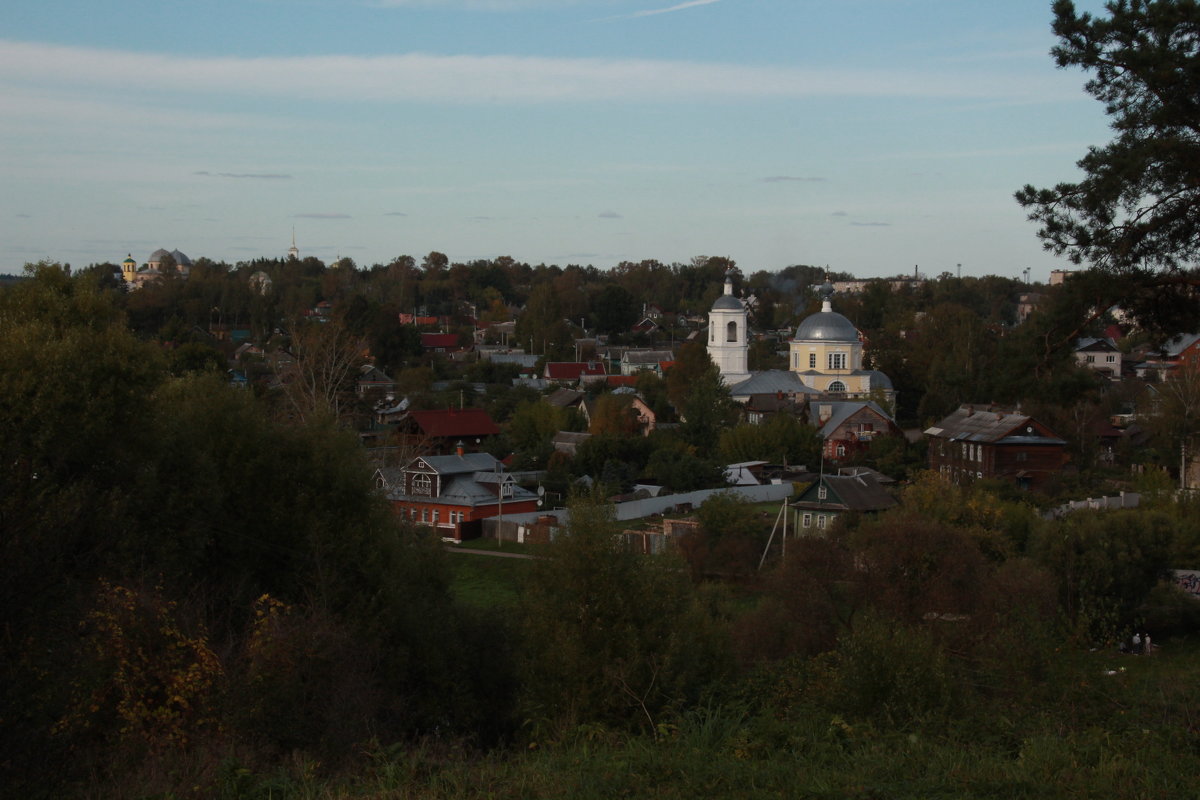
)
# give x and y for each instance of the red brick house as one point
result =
(451, 494)
(980, 442)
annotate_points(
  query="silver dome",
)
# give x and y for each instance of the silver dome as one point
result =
(727, 302)
(826, 326)
(180, 259)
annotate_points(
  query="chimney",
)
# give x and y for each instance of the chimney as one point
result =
(460, 448)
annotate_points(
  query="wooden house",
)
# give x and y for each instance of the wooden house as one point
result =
(981, 442)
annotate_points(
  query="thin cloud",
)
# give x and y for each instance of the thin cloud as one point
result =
(679, 7)
(791, 179)
(871, 224)
(319, 215)
(262, 176)
(21, 216)
(395, 214)
(609, 215)
(475, 79)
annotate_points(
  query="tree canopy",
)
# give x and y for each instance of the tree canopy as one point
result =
(1136, 211)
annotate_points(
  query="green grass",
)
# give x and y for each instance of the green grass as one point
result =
(486, 581)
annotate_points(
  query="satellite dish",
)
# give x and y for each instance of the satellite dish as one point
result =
(541, 491)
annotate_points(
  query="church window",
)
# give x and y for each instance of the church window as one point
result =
(837, 361)
(812, 360)
(837, 386)
(712, 331)
(731, 336)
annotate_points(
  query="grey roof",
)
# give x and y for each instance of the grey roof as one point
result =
(1180, 343)
(826, 326)
(456, 464)
(180, 259)
(728, 302)
(647, 356)
(969, 424)
(879, 380)
(468, 490)
(771, 382)
(840, 411)
(159, 254)
(563, 397)
(849, 493)
(1091, 343)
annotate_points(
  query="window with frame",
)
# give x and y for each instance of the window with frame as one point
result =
(821, 520)
(806, 521)
(837, 361)
(812, 360)
(422, 485)
(837, 386)
(731, 332)
(822, 493)
(1110, 359)
(435, 516)
(424, 515)
(841, 450)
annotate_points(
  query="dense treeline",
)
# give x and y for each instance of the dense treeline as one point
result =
(944, 341)
(190, 584)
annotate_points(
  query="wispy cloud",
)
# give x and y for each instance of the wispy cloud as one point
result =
(323, 215)
(609, 215)
(871, 224)
(791, 179)
(678, 7)
(262, 176)
(395, 214)
(472, 79)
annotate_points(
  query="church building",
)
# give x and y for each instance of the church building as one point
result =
(825, 357)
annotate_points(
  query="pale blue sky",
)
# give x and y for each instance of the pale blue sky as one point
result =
(869, 135)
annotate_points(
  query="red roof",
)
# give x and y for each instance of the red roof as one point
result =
(573, 370)
(455, 422)
(621, 380)
(439, 340)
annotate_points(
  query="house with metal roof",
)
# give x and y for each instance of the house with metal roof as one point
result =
(452, 493)
(977, 442)
(847, 427)
(831, 496)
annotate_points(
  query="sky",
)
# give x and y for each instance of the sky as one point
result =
(876, 137)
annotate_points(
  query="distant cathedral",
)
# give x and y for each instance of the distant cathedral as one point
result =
(825, 357)
(135, 277)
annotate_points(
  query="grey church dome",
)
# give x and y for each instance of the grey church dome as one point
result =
(158, 255)
(180, 259)
(826, 326)
(727, 302)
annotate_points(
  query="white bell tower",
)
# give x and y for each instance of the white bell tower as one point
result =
(728, 343)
